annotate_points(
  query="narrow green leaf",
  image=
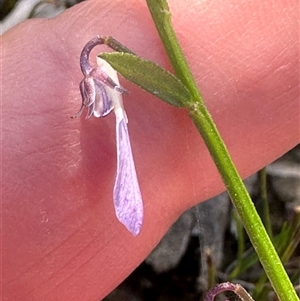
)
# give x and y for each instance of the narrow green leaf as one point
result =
(149, 77)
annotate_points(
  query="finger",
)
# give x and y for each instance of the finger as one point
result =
(61, 234)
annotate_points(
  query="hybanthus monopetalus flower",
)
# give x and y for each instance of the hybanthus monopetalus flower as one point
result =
(101, 93)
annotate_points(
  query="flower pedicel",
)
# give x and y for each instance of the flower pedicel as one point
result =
(101, 93)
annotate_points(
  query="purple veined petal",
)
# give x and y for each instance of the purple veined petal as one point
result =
(108, 75)
(84, 95)
(102, 76)
(127, 195)
(103, 102)
(88, 95)
(88, 91)
(90, 112)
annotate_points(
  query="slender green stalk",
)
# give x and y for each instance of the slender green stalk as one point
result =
(211, 269)
(241, 245)
(263, 194)
(116, 45)
(198, 112)
(162, 18)
(295, 242)
(286, 242)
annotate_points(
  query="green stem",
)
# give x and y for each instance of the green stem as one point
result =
(199, 114)
(241, 245)
(263, 194)
(116, 45)
(211, 269)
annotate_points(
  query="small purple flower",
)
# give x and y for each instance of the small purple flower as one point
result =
(101, 93)
(94, 88)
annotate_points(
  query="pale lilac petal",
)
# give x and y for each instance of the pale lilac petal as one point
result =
(90, 112)
(101, 75)
(103, 101)
(127, 195)
(88, 91)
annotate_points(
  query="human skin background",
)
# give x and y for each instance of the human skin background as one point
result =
(60, 237)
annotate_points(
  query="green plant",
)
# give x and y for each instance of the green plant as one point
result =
(181, 90)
